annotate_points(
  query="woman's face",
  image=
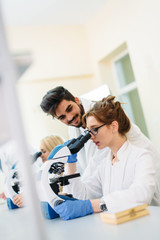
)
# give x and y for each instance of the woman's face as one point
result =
(44, 152)
(104, 136)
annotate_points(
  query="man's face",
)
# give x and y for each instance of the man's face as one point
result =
(70, 112)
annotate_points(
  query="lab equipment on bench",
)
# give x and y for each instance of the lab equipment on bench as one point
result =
(13, 184)
(36, 155)
(49, 176)
(52, 169)
(11, 187)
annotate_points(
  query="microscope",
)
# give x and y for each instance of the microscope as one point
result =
(12, 183)
(12, 187)
(50, 178)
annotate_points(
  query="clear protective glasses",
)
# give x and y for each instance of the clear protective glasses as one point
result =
(94, 131)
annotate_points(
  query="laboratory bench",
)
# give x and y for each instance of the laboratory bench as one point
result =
(13, 226)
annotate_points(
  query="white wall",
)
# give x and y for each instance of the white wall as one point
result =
(135, 22)
(61, 56)
(72, 56)
(57, 50)
(37, 123)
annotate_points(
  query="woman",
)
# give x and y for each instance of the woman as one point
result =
(47, 144)
(125, 178)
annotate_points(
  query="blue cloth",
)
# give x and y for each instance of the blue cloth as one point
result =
(71, 158)
(74, 209)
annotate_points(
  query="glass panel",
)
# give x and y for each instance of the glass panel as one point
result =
(134, 109)
(124, 71)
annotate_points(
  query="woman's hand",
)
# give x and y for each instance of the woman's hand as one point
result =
(74, 209)
(18, 200)
(3, 196)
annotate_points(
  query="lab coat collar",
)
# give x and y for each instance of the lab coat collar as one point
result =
(118, 166)
(122, 150)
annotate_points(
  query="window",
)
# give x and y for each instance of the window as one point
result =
(128, 92)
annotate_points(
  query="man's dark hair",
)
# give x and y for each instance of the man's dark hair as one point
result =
(53, 97)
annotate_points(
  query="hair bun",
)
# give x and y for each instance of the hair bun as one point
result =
(110, 99)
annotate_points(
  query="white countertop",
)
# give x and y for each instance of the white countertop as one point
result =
(13, 226)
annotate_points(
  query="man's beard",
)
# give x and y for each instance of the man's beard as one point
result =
(81, 114)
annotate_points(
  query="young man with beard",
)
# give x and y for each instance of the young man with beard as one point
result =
(62, 105)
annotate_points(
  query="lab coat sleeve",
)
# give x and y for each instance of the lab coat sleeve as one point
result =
(6, 163)
(137, 138)
(90, 189)
(94, 160)
(86, 153)
(140, 191)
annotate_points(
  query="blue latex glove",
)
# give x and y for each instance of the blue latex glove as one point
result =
(47, 210)
(71, 159)
(74, 209)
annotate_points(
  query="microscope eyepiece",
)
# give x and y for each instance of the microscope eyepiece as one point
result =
(85, 138)
(79, 143)
(36, 155)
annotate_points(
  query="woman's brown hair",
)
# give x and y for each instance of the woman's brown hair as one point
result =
(107, 111)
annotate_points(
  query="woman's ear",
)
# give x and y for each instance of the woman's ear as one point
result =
(115, 126)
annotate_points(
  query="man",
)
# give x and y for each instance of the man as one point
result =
(62, 105)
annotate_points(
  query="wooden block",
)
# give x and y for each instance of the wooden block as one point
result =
(124, 216)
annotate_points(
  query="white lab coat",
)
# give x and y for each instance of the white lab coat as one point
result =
(86, 153)
(90, 156)
(127, 183)
(9, 156)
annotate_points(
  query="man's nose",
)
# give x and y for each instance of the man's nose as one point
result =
(69, 117)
